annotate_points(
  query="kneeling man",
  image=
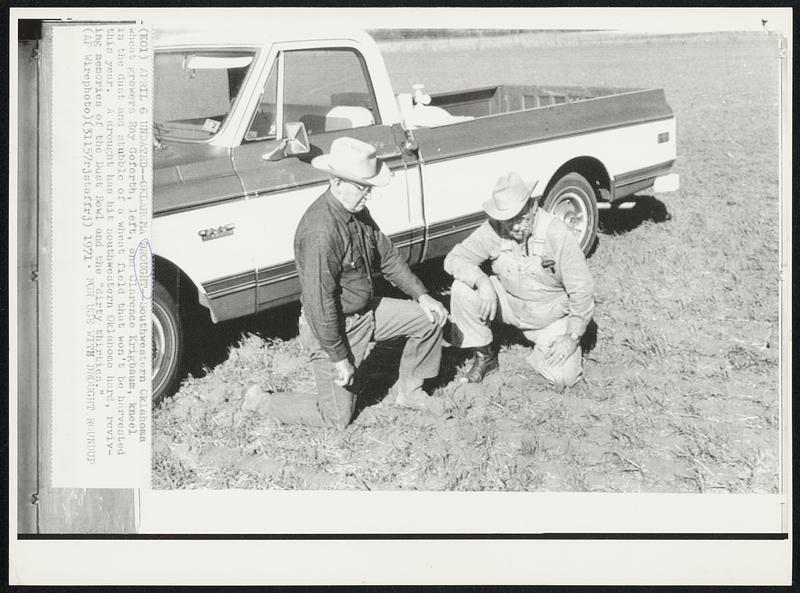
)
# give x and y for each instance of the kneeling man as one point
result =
(539, 283)
(339, 250)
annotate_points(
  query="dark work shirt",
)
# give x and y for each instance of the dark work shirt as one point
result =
(337, 254)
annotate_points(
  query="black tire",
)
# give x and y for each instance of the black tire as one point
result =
(168, 349)
(574, 201)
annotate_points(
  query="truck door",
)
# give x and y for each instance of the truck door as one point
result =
(329, 91)
(200, 213)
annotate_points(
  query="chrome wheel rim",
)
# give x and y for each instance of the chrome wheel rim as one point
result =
(159, 349)
(571, 208)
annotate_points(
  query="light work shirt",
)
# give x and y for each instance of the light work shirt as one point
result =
(538, 295)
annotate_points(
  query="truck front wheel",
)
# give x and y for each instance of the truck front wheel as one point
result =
(574, 201)
(167, 343)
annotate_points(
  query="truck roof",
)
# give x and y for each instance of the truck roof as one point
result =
(262, 34)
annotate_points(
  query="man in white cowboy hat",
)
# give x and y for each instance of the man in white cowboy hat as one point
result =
(338, 250)
(539, 283)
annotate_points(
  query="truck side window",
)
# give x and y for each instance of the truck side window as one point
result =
(328, 90)
(195, 91)
(262, 126)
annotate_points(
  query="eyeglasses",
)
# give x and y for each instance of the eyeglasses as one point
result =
(363, 189)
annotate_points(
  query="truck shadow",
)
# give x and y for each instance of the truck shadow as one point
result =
(379, 371)
(210, 344)
(646, 208)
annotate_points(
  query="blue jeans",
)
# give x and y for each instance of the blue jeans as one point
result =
(387, 318)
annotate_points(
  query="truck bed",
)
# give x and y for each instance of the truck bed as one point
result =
(506, 116)
(495, 100)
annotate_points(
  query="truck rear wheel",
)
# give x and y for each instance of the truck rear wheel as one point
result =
(167, 343)
(574, 201)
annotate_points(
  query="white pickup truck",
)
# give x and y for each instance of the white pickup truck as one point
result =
(239, 115)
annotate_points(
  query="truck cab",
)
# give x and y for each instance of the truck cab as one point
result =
(224, 215)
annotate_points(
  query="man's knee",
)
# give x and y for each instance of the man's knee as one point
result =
(566, 375)
(563, 380)
(340, 423)
(422, 328)
(464, 301)
(339, 415)
(335, 404)
(434, 332)
(462, 293)
(561, 376)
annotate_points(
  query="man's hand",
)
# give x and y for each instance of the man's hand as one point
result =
(346, 372)
(433, 309)
(488, 298)
(560, 350)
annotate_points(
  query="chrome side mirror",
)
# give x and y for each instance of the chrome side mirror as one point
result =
(295, 142)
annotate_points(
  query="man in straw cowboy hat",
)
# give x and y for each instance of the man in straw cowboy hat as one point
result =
(338, 251)
(539, 283)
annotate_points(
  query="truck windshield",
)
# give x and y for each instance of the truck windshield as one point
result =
(195, 91)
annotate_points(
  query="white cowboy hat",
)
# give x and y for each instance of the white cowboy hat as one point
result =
(509, 196)
(353, 160)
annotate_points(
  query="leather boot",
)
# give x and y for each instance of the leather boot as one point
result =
(484, 362)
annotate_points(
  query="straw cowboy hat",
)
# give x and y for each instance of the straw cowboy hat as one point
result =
(353, 160)
(509, 196)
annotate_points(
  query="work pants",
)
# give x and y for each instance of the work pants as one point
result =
(470, 332)
(388, 318)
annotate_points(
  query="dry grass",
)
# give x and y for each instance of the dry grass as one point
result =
(681, 390)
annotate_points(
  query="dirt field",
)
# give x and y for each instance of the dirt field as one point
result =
(681, 387)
